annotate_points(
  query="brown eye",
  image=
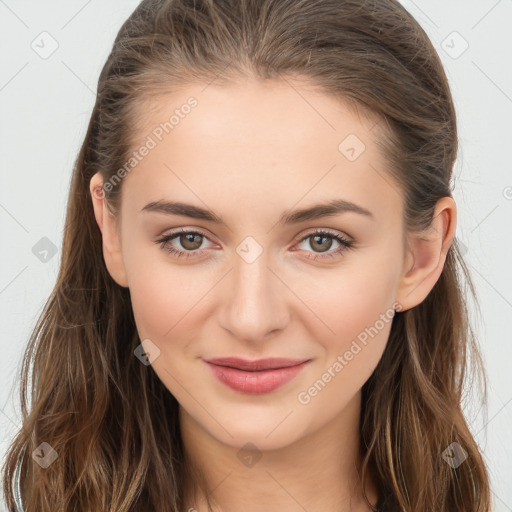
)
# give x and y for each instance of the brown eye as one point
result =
(183, 243)
(321, 243)
(190, 241)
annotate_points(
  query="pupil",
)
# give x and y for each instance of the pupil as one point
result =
(321, 237)
(189, 239)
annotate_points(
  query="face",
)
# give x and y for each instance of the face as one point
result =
(252, 280)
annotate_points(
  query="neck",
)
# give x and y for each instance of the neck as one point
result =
(320, 471)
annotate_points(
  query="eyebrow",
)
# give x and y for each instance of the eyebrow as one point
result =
(333, 207)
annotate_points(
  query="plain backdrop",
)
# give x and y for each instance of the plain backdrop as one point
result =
(51, 54)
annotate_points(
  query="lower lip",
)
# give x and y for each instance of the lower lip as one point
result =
(255, 383)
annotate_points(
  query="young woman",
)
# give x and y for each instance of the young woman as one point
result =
(261, 303)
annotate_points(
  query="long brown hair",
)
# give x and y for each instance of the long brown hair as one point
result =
(110, 419)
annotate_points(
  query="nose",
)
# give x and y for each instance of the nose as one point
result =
(254, 304)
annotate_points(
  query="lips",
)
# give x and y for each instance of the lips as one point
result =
(254, 366)
(255, 377)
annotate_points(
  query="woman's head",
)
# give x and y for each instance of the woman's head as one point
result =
(252, 112)
(256, 281)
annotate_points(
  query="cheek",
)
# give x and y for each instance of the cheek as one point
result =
(361, 324)
(161, 303)
(359, 313)
(360, 305)
(346, 301)
(162, 294)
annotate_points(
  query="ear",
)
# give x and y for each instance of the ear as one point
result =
(107, 223)
(426, 255)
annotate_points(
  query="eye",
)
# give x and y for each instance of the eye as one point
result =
(191, 241)
(321, 240)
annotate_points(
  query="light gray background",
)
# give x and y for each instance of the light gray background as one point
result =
(45, 105)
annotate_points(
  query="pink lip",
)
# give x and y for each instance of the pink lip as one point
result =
(255, 377)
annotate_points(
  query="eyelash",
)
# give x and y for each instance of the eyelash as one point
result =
(344, 242)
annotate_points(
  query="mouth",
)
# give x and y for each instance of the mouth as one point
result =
(272, 363)
(255, 377)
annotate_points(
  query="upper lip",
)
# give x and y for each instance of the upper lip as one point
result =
(271, 363)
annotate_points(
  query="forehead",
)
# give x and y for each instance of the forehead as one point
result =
(258, 111)
(259, 140)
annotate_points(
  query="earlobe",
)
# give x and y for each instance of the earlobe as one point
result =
(426, 255)
(109, 235)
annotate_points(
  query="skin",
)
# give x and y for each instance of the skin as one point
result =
(248, 152)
